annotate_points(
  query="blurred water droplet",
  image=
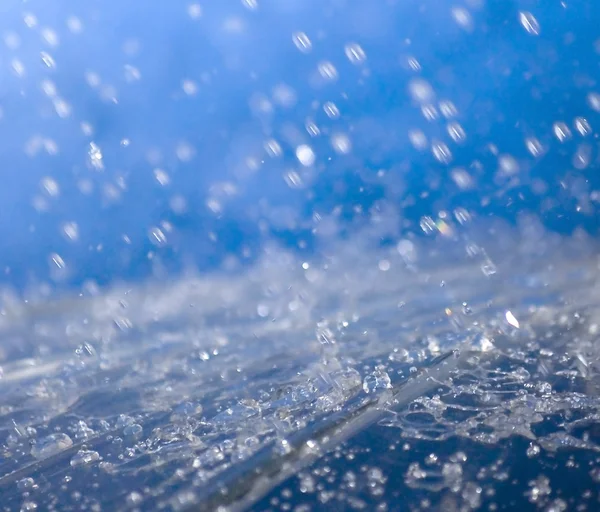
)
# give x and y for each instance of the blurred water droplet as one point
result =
(561, 131)
(305, 155)
(421, 91)
(356, 55)
(341, 143)
(157, 237)
(582, 126)
(51, 445)
(95, 157)
(530, 24)
(84, 458)
(302, 42)
(328, 71)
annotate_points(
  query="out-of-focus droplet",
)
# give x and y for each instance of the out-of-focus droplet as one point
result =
(463, 18)
(302, 42)
(582, 157)
(593, 100)
(47, 59)
(421, 91)
(273, 148)
(162, 177)
(194, 11)
(508, 165)
(530, 24)
(418, 139)
(428, 225)
(312, 129)
(561, 131)
(456, 132)
(582, 126)
(441, 152)
(448, 109)
(95, 157)
(50, 186)
(510, 318)
(534, 146)
(252, 5)
(328, 71)
(157, 237)
(70, 230)
(305, 155)
(356, 55)
(331, 109)
(341, 143)
(462, 178)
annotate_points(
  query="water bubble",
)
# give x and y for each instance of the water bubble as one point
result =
(530, 24)
(305, 155)
(84, 458)
(51, 445)
(302, 42)
(356, 55)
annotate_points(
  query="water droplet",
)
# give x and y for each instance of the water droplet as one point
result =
(530, 24)
(84, 458)
(534, 146)
(51, 445)
(328, 71)
(356, 55)
(95, 157)
(582, 126)
(593, 100)
(561, 131)
(456, 132)
(378, 379)
(157, 237)
(441, 152)
(305, 155)
(462, 178)
(331, 110)
(302, 42)
(421, 91)
(341, 143)
(463, 18)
